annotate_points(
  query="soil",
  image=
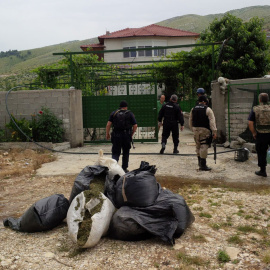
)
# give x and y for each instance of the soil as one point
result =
(230, 205)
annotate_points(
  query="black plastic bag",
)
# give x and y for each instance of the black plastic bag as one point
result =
(167, 219)
(43, 215)
(124, 227)
(138, 188)
(84, 178)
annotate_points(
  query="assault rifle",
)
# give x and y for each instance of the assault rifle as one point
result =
(215, 150)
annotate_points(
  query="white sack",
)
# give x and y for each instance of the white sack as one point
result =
(113, 166)
(100, 220)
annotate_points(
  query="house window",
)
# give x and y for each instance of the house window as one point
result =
(159, 52)
(129, 54)
(145, 53)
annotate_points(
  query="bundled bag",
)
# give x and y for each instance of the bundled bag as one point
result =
(43, 215)
(167, 219)
(89, 218)
(138, 188)
(85, 177)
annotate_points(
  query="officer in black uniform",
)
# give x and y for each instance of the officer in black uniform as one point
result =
(259, 125)
(172, 114)
(124, 126)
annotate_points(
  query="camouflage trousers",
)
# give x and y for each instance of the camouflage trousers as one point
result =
(200, 136)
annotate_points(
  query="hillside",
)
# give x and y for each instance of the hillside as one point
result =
(197, 24)
(31, 59)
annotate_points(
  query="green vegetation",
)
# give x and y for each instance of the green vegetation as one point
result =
(190, 260)
(44, 127)
(223, 257)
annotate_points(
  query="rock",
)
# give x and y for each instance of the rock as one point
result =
(49, 255)
(178, 246)
(226, 144)
(240, 140)
(235, 145)
(250, 147)
(232, 252)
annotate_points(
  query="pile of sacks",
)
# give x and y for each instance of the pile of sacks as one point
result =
(107, 201)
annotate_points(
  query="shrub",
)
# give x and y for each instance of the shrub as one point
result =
(24, 125)
(47, 127)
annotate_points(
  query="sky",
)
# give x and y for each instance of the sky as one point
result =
(31, 24)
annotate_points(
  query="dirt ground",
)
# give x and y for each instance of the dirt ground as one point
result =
(230, 205)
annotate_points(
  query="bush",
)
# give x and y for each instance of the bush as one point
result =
(24, 125)
(45, 127)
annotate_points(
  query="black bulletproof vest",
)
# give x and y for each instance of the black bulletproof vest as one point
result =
(199, 117)
(170, 113)
(121, 120)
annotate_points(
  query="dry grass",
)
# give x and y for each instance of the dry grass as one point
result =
(16, 162)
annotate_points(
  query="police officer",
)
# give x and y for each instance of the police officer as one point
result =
(201, 92)
(260, 117)
(202, 122)
(124, 126)
(172, 114)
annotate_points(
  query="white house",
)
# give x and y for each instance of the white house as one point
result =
(145, 37)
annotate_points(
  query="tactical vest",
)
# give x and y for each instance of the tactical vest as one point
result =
(199, 117)
(262, 118)
(170, 113)
(121, 121)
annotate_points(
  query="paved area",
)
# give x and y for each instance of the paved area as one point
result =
(183, 165)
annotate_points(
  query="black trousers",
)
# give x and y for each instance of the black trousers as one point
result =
(168, 127)
(262, 145)
(121, 141)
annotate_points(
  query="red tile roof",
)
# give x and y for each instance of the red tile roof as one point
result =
(92, 46)
(150, 30)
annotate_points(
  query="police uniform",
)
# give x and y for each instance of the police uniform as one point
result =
(172, 114)
(121, 136)
(260, 114)
(202, 123)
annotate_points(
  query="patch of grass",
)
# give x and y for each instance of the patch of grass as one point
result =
(199, 208)
(190, 260)
(266, 257)
(248, 217)
(235, 239)
(263, 211)
(207, 215)
(223, 257)
(215, 204)
(246, 229)
(198, 238)
(217, 226)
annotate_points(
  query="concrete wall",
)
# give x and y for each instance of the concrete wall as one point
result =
(240, 102)
(66, 104)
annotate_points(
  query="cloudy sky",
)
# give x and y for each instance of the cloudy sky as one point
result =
(33, 24)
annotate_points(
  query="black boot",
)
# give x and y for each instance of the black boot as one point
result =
(175, 150)
(262, 172)
(199, 161)
(163, 145)
(204, 166)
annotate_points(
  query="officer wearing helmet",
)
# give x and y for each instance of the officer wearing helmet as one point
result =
(201, 92)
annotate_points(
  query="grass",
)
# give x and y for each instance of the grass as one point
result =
(223, 257)
(16, 162)
(235, 239)
(191, 260)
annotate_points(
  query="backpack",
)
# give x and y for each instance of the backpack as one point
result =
(121, 120)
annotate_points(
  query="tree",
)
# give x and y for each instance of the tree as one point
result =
(244, 52)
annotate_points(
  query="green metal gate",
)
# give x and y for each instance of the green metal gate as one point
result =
(141, 97)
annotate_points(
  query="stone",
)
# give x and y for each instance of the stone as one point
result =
(250, 146)
(226, 144)
(240, 140)
(235, 145)
(232, 252)
(178, 246)
(49, 255)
